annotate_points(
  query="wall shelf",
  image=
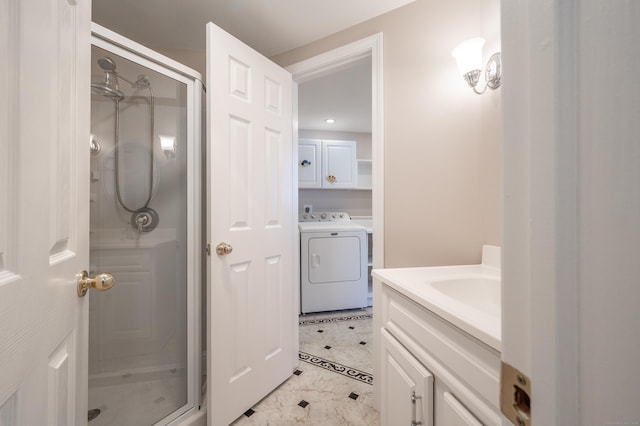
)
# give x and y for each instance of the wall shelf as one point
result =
(365, 175)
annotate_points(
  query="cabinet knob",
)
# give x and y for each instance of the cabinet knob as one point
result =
(332, 179)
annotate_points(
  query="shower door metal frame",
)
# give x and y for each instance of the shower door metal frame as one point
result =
(108, 40)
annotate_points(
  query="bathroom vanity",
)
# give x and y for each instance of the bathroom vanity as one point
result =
(437, 344)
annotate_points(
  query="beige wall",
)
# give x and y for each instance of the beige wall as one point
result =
(442, 142)
(194, 59)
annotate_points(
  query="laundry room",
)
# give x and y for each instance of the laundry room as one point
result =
(335, 184)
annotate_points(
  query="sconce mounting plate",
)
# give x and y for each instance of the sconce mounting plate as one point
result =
(493, 71)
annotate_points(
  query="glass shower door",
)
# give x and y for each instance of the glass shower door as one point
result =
(142, 363)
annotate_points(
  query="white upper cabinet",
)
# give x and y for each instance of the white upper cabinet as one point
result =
(309, 163)
(339, 166)
(327, 164)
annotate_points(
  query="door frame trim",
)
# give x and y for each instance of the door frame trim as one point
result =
(332, 61)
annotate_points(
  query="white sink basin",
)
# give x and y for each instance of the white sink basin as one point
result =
(480, 292)
(467, 296)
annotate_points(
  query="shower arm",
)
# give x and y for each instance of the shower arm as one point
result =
(142, 82)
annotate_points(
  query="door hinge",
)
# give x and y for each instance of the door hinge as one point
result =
(515, 395)
(207, 249)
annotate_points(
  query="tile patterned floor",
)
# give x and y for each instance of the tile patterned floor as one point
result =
(333, 383)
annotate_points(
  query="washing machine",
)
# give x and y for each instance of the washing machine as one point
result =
(333, 262)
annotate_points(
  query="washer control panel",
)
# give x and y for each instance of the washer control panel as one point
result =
(325, 217)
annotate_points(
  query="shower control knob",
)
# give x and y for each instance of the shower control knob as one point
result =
(223, 249)
(101, 282)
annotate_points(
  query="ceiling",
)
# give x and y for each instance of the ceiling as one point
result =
(270, 27)
(344, 96)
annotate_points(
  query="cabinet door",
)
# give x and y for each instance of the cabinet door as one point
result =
(339, 166)
(309, 163)
(456, 414)
(406, 387)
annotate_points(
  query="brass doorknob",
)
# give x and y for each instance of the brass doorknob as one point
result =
(223, 248)
(101, 282)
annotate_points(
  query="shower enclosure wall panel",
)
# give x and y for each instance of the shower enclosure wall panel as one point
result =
(133, 328)
(143, 366)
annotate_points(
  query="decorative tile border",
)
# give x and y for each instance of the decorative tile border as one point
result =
(336, 368)
(335, 319)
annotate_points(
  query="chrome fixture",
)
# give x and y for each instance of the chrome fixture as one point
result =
(94, 145)
(110, 89)
(468, 55)
(145, 220)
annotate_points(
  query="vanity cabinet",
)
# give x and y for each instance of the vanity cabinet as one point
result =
(452, 377)
(406, 386)
(327, 164)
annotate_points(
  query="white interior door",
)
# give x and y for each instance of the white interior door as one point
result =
(571, 200)
(250, 207)
(44, 210)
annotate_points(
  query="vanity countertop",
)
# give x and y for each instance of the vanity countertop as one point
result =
(467, 296)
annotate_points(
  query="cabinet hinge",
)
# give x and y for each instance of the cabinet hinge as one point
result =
(207, 249)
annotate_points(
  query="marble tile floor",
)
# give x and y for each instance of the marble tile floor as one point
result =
(333, 383)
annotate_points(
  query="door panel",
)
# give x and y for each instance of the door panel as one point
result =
(402, 376)
(250, 179)
(43, 211)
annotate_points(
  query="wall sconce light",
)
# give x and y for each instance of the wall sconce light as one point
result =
(468, 55)
(168, 145)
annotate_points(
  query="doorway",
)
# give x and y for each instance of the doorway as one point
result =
(365, 56)
(368, 50)
(144, 223)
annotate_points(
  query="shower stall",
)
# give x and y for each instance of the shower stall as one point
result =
(144, 343)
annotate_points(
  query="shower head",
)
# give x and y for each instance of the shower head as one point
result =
(107, 64)
(108, 87)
